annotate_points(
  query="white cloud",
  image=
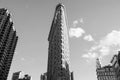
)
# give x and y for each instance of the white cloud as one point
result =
(81, 20)
(78, 21)
(90, 55)
(75, 23)
(111, 42)
(112, 38)
(104, 50)
(76, 32)
(88, 38)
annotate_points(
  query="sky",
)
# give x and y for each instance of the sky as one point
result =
(93, 27)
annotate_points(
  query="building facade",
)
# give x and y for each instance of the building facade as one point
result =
(58, 52)
(26, 77)
(17, 75)
(111, 71)
(20, 76)
(43, 76)
(8, 40)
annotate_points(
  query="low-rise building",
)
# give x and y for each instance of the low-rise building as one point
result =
(111, 71)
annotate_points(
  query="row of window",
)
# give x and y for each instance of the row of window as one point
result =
(105, 73)
(107, 78)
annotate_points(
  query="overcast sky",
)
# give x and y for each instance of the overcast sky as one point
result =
(94, 31)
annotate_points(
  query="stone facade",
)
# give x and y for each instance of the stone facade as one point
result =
(111, 71)
(16, 75)
(20, 76)
(58, 52)
(26, 77)
(43, 76)
(8, 40)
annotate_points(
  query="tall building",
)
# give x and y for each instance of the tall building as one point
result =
(20, 76)
(8, 40)
(111, 71)
(58, 52)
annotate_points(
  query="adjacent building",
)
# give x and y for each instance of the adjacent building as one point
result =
(58, 51)
(20, 76)
(26, 77)
(17, 75)
(8, 41)
(111, 71)
(43, 76)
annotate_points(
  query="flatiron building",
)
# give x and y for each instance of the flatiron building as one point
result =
(8, 40)
(58, 51)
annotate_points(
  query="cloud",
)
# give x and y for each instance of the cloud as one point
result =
(90, 55)
(76, 32)
(81, 20)
(75, 23)
(112, 38)
(104, 47)
(78, 21)
(88, 38)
